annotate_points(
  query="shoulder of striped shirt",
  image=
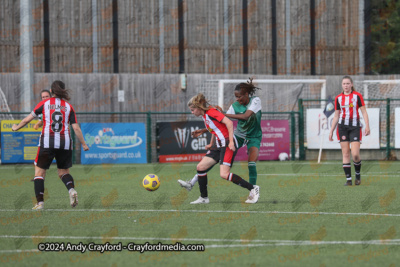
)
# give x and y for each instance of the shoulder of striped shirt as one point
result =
(357, 93)
(213, 110)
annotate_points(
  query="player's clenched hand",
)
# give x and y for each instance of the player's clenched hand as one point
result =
(197, 133)
(85, 147)
(367, 131)
(208, 147)
(330, 136)
(232, 146)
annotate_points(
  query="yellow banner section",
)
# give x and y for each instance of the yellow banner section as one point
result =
(6, 126)
(30, 152)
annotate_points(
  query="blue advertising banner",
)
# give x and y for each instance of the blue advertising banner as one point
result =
(21, 146)
(114, 143)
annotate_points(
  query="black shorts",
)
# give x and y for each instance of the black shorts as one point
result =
(346, 133)
(223, 155)
(45, 157)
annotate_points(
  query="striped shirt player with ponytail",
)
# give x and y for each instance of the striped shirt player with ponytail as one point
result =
(221, 129)
(348, 131)
(247, 110)
(55, 141)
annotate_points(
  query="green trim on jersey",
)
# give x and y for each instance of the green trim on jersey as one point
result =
(250, 128)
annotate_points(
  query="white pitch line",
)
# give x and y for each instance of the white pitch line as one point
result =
(19, 250)
(132, 166)
(256, 245)
(262, 242)
(216, 211)
(394, 174)
(293, 244)
(147, 238)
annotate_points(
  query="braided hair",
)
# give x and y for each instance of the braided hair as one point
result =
(247, 87)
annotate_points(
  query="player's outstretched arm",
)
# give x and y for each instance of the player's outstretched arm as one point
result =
(79, 134)
(334, 123)
(24, 122)
(210, 145)
(244, 116)
(229, 126)
(197, 133)
(366, 120)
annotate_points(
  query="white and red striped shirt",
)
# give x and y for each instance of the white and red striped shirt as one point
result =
(348, 106)
(57, 115)
(212, 119)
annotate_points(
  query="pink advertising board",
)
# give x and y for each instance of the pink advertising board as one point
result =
(275, 140)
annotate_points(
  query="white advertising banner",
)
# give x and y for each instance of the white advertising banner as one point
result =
(397, 127)
(318, 126)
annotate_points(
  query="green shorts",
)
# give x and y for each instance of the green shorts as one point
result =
(249, 142)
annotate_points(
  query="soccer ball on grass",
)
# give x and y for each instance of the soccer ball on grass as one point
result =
(283, 156)
(151, 182)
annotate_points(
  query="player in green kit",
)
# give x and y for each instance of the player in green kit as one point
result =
(247, 110)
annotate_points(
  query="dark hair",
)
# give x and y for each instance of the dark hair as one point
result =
(348, 77)
(45, 91)
(59, 91)
(247, 87)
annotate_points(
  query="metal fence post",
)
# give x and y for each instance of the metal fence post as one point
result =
(292, 135)
(302, 155)
(387, 128)
(149, 137)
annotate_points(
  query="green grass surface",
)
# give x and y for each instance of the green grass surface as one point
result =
(305, 216)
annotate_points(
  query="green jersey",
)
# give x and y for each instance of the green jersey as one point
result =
(250, 128)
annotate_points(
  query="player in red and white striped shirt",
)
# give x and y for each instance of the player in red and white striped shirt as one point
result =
(221, 129)
(57, 115)
(347, 105)
(55, 140)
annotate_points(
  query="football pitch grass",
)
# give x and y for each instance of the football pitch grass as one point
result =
(304, 217)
